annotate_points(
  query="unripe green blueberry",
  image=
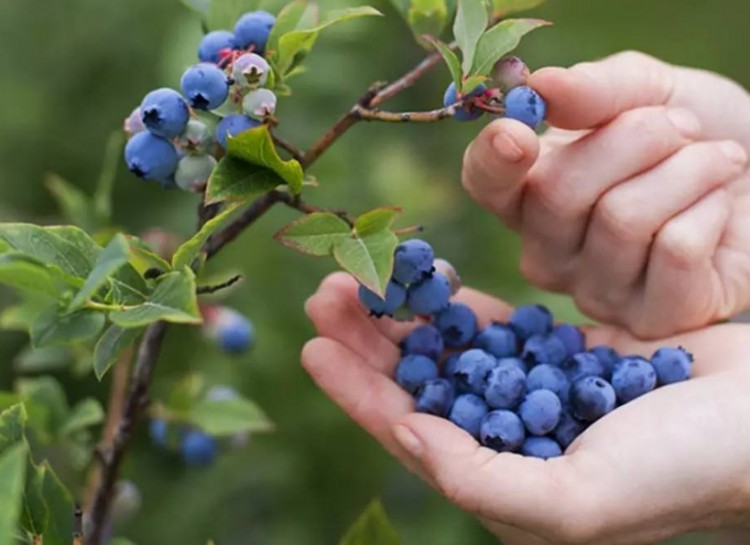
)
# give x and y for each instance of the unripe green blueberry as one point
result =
(250, 71)
(259, 104)
(196, 138)
(193, 172)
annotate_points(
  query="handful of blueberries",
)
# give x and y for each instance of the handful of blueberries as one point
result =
(526, 386)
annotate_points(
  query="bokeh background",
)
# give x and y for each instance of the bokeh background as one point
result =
(71, 70)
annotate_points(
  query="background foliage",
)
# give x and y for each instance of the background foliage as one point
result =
(72, 70)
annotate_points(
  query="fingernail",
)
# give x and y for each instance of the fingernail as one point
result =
(408, 440)
(684, 121)
(507, 147)
(734, 152)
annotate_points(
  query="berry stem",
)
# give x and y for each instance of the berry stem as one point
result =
(295, 152)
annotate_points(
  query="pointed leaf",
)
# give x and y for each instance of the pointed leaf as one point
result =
(229, 417)
(53, 327)
(375, 220)
(12, 423)
(427, 17)
(236, 180)
(23, 272)
(369, 259)
(110, 347)
(46, 403)
(296, 15)
(143, 258)
(471, 83)
(450, 58)
(114, 256)
(12, 480)
(75, 206)
(372, 527)
(471, 22)
(61, 509)
(503, 8)
(314, 234)
(187, 252)
(34, 513)
(500, 40)
(86, 413)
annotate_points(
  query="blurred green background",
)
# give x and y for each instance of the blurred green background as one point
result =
(71, 70)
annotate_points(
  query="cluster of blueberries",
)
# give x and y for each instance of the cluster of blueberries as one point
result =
(526, 386)
(520, 102)
(168, 143)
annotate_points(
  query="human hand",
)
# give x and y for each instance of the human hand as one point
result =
(638, 203)
(673, 461)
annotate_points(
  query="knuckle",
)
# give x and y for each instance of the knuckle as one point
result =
(679, 249)
(619, 215)
(651, 127)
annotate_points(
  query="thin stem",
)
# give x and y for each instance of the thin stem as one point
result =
(104, 307)
(293, 150)
(405, 117)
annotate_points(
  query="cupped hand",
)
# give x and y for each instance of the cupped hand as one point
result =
(638, 202)
(673, 461)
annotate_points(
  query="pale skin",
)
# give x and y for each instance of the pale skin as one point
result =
(638, 205)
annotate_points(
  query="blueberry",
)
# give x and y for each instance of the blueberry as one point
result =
(568, 429)
(214, 43)
(165, 113)
(196, 138)
(424, 340)
(250, 71)
(518, 363)
(549, 377)
(525, 105)
(253, 28)
(157, 431)
(414, 370)
(233, 125)
(547, 349)
(457, 324)
(472, 370)
(430, 295)
(672, 365)
(413, 259)
(540, 412)
(444, 267)
(608, 358)
(133, 123)
(435, 397)
(395, 297)
(449, 365)
(510, 72)
(502, 431)
(591, 398)
(582, 365)
(531, 320)
(193, 172)
(234, 333)
(259, 103)
(572, 337)
(506, 386)
(198, 449)
(499, 340)
(205, 86)
(468, 112)
(632, 378)
(541, 447)
(150, 157)
(467, 413)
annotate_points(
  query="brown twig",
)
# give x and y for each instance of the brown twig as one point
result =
(405, 117)
(293, 150)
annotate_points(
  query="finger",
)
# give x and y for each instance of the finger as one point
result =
(626, 219)
(591, 94)
(495, 165)
(565, 184)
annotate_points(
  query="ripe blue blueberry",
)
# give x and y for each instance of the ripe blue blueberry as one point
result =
(540, 412)
(198, 449)
(233, 125)
(133, 123)
(413, 260)
(205, 86)
(250, 71)
(150, 157)
(444, 267)
(193, 172)
(572, 337)
(499, 340)
(435, 397)
(472, 369)
(608, 358)
(467, 413)
(424, 340)
(525, 105)
(582, 365)
(214, 43)
(449, 365)
(233, 332)
(591, 398)
(430, 295)
(253, 28)
(518, 363)
(541, 447)
(568, 429)
(395, 297)
(259, 103)
(414, 370)
(549, 377)
(547, 349)
(196, 138)
(506, 386)
(468, 112)
(510, 72)
(157, 431)
(632, 378)
(672, 365)
(502, 431)
(457, 324)
(165, 113)
(531, 320)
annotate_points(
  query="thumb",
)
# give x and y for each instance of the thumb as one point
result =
(591, 94)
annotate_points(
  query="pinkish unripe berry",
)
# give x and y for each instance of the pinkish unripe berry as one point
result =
(510, 72)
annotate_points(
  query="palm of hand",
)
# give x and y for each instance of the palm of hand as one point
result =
(663, 465)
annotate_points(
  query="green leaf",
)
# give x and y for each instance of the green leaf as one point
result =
(86, 413)
(314, 234)
(53, 327)
(47, 406)
(20, 317)
(173, 300)
(256, 147)
(75, 205)
(235, 180)
(471, 83)
(471, 22)
(61, 509)
(185, 392)
(23, 272)
(12, 423)
(503, 8)
(34, 514)
(12, 479)
(229, 417)
(369, 259)
(102, 198)
(143, 258)
(189, 251)
(114, 256)
(451, 59)
(402, 6)
(39, 360)
(427, 17)
(375, 220)
(296, 15)
(372, 527)
(110, 347)
(500, 40)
